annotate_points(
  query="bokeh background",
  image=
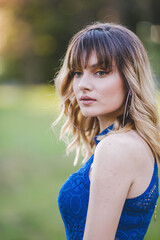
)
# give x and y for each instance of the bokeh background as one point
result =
(34, 35)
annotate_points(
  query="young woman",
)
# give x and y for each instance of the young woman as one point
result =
(108, 95)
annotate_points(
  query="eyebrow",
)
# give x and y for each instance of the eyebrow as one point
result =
(100, 64)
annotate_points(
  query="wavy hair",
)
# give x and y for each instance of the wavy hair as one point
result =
(110, 42)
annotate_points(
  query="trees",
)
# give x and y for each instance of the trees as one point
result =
(34, 34)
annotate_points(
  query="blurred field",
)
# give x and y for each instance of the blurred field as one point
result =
(33, 166)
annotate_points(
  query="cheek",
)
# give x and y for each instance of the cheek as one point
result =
(75, 87)
(114, 90)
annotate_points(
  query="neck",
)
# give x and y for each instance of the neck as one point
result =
(104, 124)
(108, 119)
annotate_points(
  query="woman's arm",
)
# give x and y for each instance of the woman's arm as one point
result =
(110, 182)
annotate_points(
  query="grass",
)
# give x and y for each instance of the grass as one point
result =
(33, 166)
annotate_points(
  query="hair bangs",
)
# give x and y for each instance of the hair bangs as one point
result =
(96, 41)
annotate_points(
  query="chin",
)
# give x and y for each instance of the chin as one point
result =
(89, 114)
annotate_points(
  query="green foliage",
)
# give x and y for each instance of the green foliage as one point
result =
(33, 166)
(35, 34)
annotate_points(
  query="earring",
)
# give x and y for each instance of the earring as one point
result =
(126, 108)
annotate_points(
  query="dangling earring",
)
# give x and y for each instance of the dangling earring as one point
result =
(126, 108)
(69, 113)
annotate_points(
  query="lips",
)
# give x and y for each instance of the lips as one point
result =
(85, 98)
(87, 101)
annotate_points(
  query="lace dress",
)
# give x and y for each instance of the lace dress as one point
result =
(136, 214)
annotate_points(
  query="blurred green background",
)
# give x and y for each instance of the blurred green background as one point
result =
(34, 35)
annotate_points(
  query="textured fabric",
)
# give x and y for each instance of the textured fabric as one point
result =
(73, 203)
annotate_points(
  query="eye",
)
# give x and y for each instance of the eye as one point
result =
(102, 73)
(77, 74)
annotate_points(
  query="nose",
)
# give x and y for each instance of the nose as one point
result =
(85, 82)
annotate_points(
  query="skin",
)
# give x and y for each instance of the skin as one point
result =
(105, 86)
(123, 163)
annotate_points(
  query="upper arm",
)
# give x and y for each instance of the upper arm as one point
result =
(110, 182)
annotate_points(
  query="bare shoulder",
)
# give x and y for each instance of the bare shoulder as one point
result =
(114, 164)
(128, 150)
(130, 145)
(120, 144)
(125, 158)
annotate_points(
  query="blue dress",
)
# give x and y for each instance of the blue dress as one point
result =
(136, 214)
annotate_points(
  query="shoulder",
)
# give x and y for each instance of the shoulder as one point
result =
(121, 152)
(118, 145)
(114, 165)
(130, 144)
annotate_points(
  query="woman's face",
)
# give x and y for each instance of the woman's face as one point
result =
(99, 92)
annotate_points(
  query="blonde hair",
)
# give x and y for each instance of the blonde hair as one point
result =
(109, 41)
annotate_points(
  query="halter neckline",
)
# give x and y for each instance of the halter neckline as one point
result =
(104, 132)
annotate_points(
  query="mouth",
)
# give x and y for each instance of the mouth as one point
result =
(87, 100)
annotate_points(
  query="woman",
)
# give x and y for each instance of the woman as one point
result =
(108, 95)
